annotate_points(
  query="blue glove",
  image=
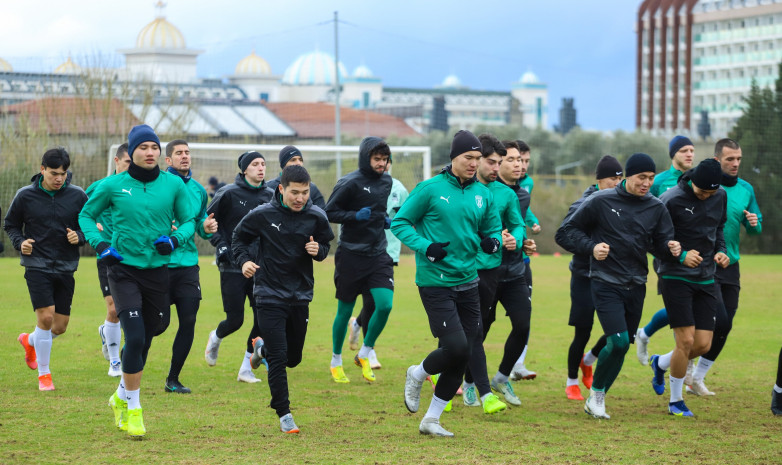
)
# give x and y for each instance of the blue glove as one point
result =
(110, 256)
(363, 214)
(388, 223)
(165, 245)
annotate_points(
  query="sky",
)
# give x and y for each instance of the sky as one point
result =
(584, 50)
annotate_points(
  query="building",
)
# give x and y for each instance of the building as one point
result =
(702, 55)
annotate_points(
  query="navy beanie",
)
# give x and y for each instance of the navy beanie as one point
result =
(246, 158)
(288, 152)
(677, 143)
(140, 134)
(639, 163)
(608, 167)
(707, 175)
(464, 141)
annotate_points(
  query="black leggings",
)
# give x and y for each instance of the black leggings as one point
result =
(235, 288)
(576, 351)
(515, 297)
(186, 309)
(724, 323)
(449, 359)
(139, 331)
(779, 370)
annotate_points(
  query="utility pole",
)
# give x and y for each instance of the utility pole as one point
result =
(337, 123)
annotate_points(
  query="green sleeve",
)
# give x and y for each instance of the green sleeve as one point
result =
(411, 212)
(491, 225)
(96, 204)
(514, 222)
(753, 208)
(201, 217)
(531, 219)
(183, 214)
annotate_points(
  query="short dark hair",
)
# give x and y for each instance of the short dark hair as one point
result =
(170, 146)
(381, 148)
(722, 143)
(511, 144)
(122, 150)
(294, 173)
(523, 147)
(490, 145)
(55, 158)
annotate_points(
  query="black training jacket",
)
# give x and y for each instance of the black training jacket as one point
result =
(579, 265)
(697, 225)
(285, 273)
(35, 214)
(315, 195)
(512, 266)
(230, 204)
(630, 225)
(354, 191)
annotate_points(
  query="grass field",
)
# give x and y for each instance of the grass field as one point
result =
(225, 421)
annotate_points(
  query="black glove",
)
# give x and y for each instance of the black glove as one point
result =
(224, 255)
(436, 251)
(165, 245)
(490, 244)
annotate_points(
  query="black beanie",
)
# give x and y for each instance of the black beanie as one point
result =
(677, 143)
(608, 167)
(464, 141)
(246, 158)
(707, 175)
(639, 163)
(288, 152)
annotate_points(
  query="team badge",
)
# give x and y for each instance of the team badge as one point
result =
(479, 201)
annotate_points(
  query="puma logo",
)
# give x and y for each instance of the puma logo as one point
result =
(617, 212)
(367, 189)
(243, 202)
(128, 191)
(446, 199)
(444, 324)
(133, 314)
(277, 226)
(690, 210)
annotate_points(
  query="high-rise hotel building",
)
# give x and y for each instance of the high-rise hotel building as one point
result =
(702, 55)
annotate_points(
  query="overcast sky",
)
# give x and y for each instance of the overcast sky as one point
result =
(584, 50)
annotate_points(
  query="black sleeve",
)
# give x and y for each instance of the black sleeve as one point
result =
(337, 207)
(662, 233)
(720, 245)
(317, 197)
(245, 234)
(218, 239)
(561, 237)
(323, 235)
(13, 221)
(577, 227)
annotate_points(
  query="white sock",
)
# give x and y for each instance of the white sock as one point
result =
(642, 335)
(213, 337)
(664, 361)
(572, 382)
(246, 363)
(589, 359)
(523, 355)
(336, 360)
(483, 397)
(31, 337)
(436, 408)
(677, 384)
(43, 350)
(499, 378)
(133, 398)
(372, 354)
(777, 389)
(363, 352)
(121, 389)
(354, 323)
(419, 374)
(113, 334)
(701, 369)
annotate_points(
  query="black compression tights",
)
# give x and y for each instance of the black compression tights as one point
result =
(449, 360)
(186, 310)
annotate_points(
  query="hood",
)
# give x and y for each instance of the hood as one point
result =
(239, 180)
(366, 147)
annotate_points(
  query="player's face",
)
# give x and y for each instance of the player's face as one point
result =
(53, 178)
(465, 165)
(682, 160)
(730, 161)
(524, 163)
(146, 155)
(378, 163)
(256, 171)
(295, 195)
(510, 167)
(639, 184)
(702, 194)
(122, 164)
(608, 183)
(297, 160)
(180, 159)
(489, 168)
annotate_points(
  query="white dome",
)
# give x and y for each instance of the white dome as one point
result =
(529, 78)
(5, 66)
(69, 67)
(451, 81)
(362, 72)
(252, 65)
(160, 34)
(314, 68)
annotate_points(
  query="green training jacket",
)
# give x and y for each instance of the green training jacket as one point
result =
(396, 198)
(105, 218)
(441, 209)
(741, 196)
(187, 254)
(506, 203)
(141, 212)
(664, 181)
(527, 184)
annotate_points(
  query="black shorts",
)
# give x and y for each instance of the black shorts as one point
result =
(618, 308)
(690, 304)
(103, 277)
(729, 284)
(355, 274)
(582, 309)
(184, 283)
(147, 290)
(528, 275)
(47, 289)
(487, 291)
(730, 275)
(450, 310)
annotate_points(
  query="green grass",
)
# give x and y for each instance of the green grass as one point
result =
(224, 421)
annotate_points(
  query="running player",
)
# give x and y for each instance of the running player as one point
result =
(292, 232)
(42, 223)
(361, 263)
(445, 221)
(291, 155)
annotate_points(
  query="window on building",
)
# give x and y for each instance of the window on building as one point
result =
(264, 96)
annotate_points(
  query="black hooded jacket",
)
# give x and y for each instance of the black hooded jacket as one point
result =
(579, 265)
(513, 266)
(354, 191)
(229, 205)
(315, 195)
(285, 273)
(630, 225)
(697, 225)
(38, 215)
